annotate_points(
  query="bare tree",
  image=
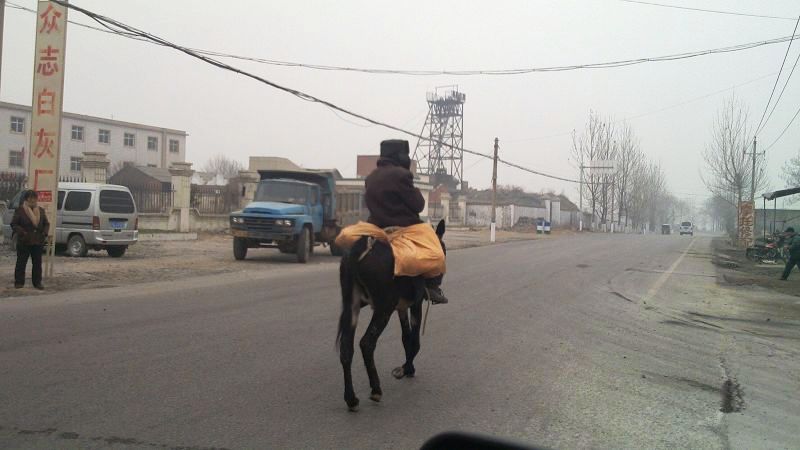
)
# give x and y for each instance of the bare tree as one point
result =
(586, 148)
(220, 164)
(629, 161)
(791, 175)
(728, 166)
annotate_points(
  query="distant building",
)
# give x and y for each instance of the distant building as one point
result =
(125, 143)
(152, 177)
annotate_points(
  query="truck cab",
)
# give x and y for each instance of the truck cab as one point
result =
(290, 211)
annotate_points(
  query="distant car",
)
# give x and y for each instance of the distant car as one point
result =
(666, 229)
(687, 228)
(89, 216)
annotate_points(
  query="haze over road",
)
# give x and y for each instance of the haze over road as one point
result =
(589, 340)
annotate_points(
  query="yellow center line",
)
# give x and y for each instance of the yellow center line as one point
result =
(665, 276)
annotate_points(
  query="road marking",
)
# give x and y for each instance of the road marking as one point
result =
(665, 276)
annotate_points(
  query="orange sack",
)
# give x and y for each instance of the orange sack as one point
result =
(416, 248)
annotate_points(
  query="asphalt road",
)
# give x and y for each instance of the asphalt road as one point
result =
(586, 341)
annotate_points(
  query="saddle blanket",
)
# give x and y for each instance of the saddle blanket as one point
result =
(416, 248)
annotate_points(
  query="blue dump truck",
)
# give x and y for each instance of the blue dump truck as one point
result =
(294, 211)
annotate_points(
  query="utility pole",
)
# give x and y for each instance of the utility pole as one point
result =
(753, 175)
(580, 201)
(2, 21)
(493, 226)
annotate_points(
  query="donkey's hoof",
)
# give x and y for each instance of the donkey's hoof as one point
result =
(376, 395)
(399, 372)
(352, 405)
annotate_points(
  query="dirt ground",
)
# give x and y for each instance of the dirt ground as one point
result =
(745, 272)
(163, 261)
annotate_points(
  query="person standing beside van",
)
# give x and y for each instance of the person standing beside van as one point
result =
(31, 226)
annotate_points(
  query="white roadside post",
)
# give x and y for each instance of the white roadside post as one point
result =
(493, 225)
(47, 104)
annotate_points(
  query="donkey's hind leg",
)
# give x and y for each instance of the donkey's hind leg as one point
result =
(380, 317)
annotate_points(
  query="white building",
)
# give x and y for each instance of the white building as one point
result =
(123, 142)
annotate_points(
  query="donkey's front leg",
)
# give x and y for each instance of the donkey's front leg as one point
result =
(346, 357)
(380, 317)
(407, 369)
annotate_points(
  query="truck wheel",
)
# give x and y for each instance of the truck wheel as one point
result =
(76, 246)
(304, 246)
(116, 251)
(239, 248)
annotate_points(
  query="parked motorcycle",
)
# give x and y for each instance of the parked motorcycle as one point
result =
(771, 249)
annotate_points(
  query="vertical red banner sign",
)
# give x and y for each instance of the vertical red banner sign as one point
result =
(48, 89)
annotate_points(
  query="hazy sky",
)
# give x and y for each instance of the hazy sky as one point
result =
(226, 113)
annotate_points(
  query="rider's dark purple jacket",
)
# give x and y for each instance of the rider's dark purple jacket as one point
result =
(391, 197)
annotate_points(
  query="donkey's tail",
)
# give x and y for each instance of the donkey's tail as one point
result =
(347, 272)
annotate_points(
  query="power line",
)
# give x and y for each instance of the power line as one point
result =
(778, 78)
(127, 29)
(784, 131)
(676, 105)
(708, 10)
(783, 89)
(471, 72)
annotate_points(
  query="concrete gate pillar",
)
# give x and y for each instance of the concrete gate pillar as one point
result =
(182, 190)
(445, 201)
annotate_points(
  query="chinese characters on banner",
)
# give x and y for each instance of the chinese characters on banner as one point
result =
(746, 223)
(48, 88)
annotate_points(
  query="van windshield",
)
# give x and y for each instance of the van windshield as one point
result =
(282, 192)
(116, 202)
(686, 224)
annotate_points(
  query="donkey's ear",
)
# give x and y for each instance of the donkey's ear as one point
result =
(440, 229)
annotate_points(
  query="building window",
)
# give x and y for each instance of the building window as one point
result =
(77, 133)
(174, 146)
(129, 140)
(104, 136)
(17, 124)
(15, 159)
(75, 164)
(152, 143)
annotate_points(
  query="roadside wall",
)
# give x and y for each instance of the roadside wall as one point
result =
(171, 221)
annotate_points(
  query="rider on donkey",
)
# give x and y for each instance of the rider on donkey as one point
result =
(393, 201)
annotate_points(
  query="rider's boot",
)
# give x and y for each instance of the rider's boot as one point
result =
(434, 290)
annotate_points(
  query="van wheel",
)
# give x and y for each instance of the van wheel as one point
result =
(116, 251)
(304, 246)
(76, 246)
(239, 248)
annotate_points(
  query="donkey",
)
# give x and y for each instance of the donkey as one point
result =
(366, 274)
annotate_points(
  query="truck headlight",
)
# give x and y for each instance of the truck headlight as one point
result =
(238, 220)
(283, 222)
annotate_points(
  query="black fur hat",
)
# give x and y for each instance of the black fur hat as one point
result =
(396, 150)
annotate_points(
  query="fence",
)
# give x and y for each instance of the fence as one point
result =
(152, 197)
(10, 184)
(214, 199)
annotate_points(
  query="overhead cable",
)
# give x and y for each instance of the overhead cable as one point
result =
(782, 90)
(116, 25)
(777, 79)
(707, 10)
(470, 72)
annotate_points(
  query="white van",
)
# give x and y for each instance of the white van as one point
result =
(687, 228)
(91, 216)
